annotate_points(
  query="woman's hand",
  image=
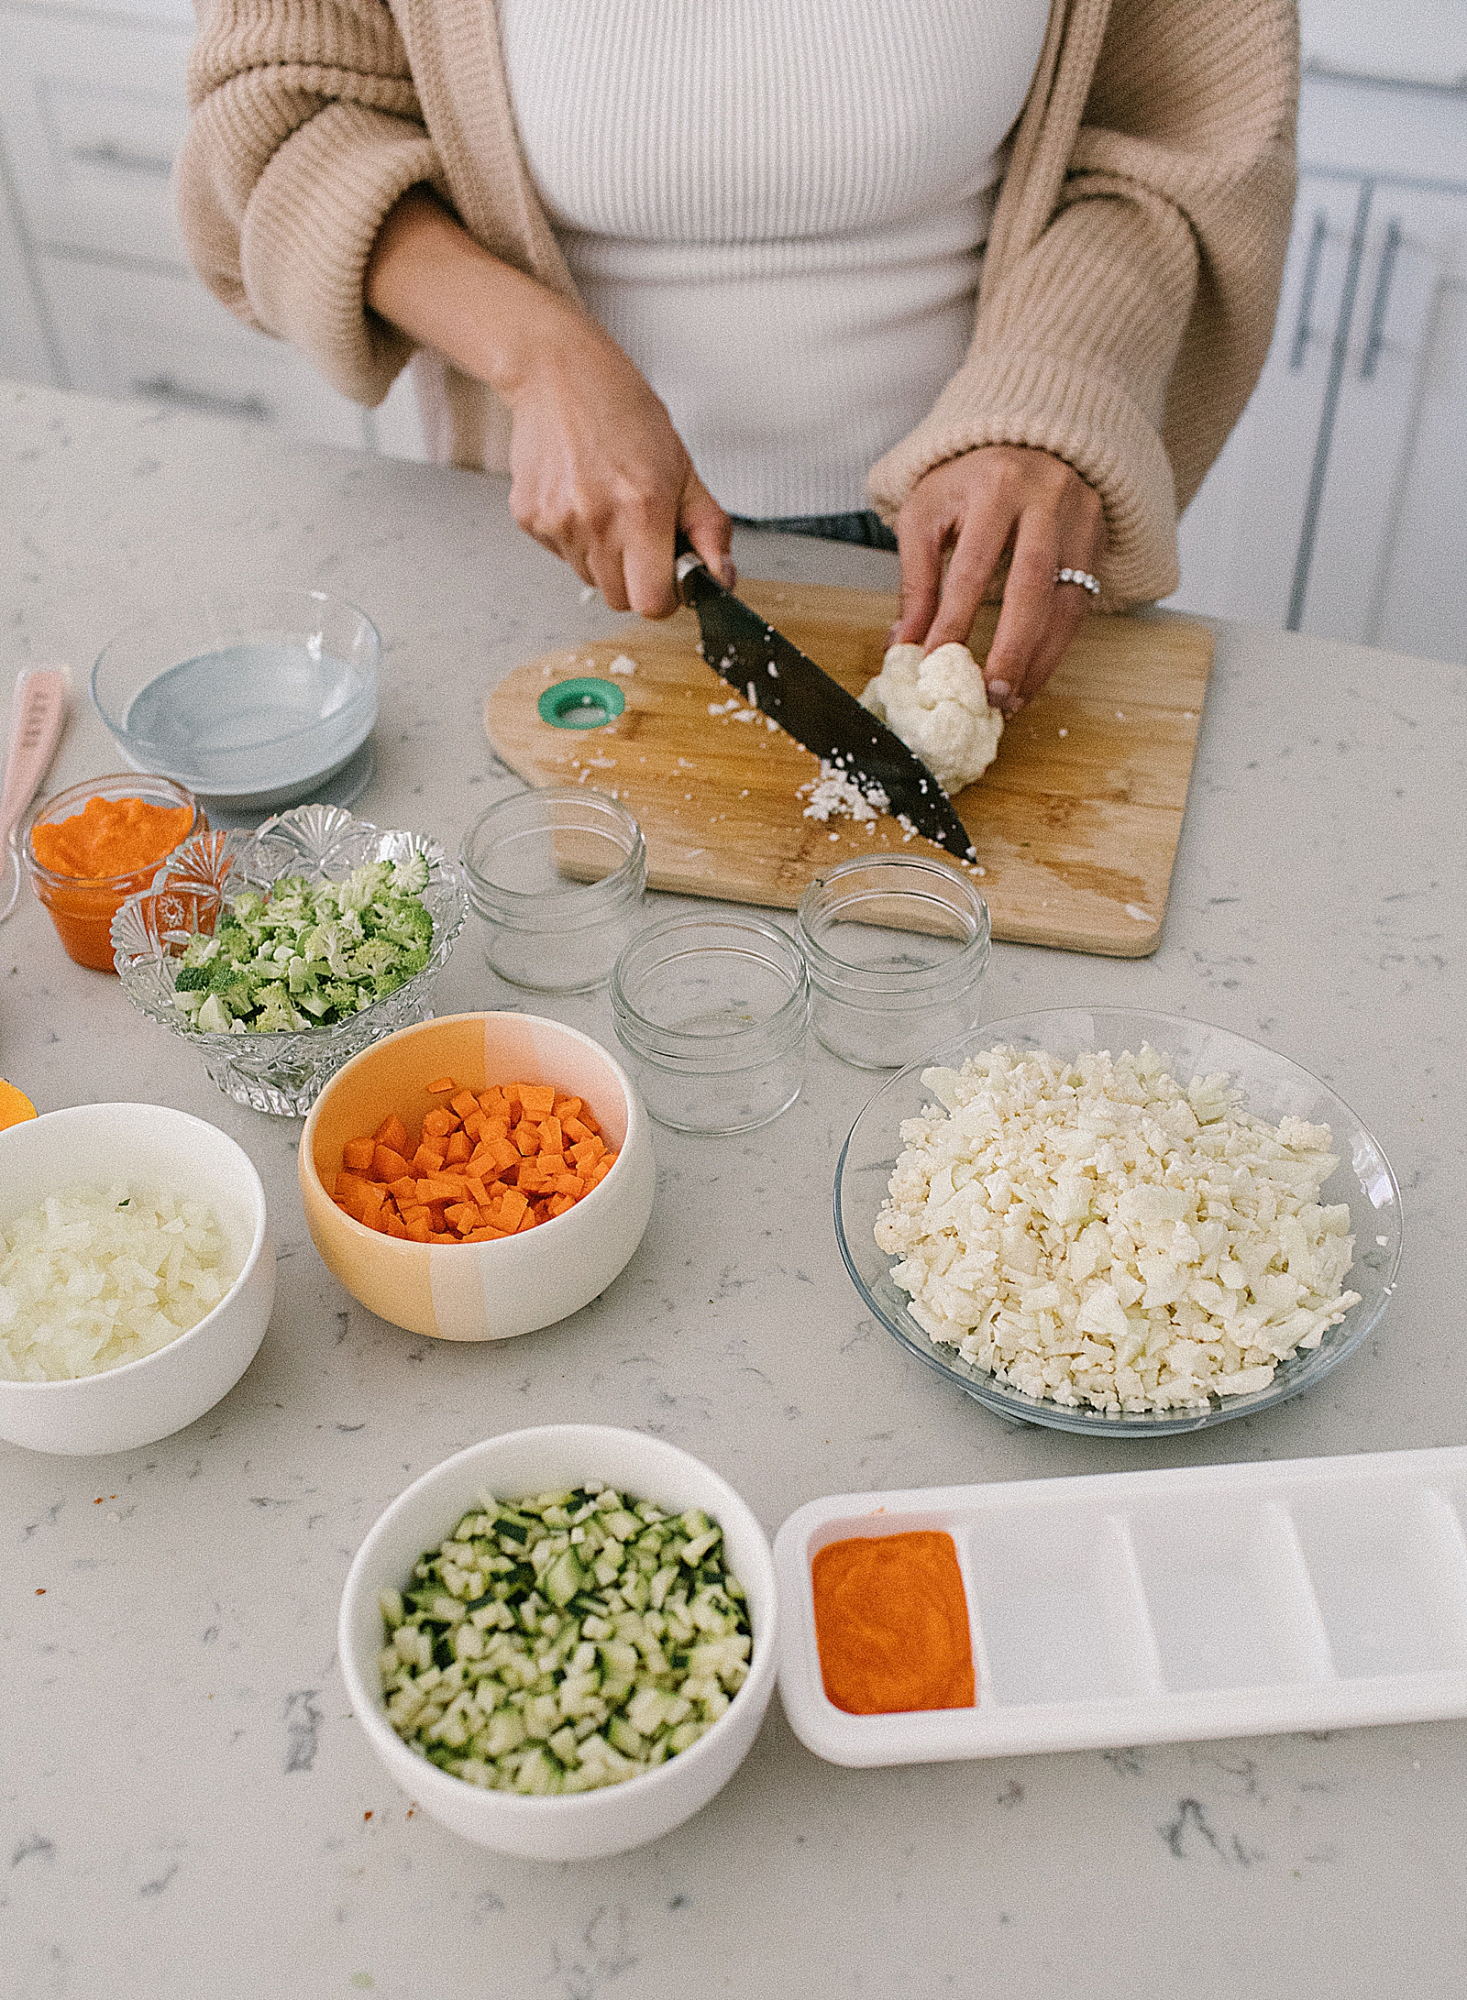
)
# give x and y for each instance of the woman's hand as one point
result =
(974, 509)
(600, 475)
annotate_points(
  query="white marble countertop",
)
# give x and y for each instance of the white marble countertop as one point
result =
(186, 1806)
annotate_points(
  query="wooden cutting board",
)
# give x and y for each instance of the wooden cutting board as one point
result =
(1075, 823)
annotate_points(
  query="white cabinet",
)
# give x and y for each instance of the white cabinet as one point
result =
(1389, 560)
(95, 292)
(1339, 505)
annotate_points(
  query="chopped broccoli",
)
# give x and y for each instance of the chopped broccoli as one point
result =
(308, 954)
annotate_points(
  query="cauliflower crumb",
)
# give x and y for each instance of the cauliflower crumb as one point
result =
(835, 794)
(622, 664)
(939, 708)
(1092, 1232)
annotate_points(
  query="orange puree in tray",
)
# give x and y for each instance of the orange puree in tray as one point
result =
(891, 1624)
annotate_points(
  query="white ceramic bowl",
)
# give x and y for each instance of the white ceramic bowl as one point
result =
(145, 1400)
(480, 1291)
(587, 1824)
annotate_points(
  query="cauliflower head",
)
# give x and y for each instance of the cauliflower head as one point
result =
(939, 708)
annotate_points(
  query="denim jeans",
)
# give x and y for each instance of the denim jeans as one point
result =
(864, 527)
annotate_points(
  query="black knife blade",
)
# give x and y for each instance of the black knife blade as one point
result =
(775, 676)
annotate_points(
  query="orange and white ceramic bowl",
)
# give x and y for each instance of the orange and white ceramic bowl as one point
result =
(479, 1291)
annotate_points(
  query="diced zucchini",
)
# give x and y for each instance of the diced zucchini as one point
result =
(563, 1642)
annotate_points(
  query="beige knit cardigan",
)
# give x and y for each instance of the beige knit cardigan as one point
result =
(1129, 284)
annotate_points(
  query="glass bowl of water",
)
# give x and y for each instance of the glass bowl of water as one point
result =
(252, 700)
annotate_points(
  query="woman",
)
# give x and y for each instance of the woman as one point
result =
(782, 208)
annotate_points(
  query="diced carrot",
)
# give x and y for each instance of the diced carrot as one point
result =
(512, 1206)
(485, 1165)
(392, 1132)
(440, 1187)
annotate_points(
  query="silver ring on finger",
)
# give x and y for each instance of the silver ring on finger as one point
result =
(1088, 583)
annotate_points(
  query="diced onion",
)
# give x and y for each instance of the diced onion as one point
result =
(96, 1276)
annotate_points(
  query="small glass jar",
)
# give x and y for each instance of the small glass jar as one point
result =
(82, 906)
(712, 1011)
(558, 875)
(896, 948)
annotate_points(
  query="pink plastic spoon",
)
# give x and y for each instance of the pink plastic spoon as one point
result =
(37, 716)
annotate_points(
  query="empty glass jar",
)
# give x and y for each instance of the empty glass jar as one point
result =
(896, 948)
(558, 875)
(712, 1011)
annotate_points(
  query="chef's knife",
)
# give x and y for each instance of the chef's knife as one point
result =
(778, 678)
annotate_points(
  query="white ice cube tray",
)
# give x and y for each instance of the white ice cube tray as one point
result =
(1153, 1607)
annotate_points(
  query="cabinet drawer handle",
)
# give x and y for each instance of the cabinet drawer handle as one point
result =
(1380, 304)
(1303, 330)
(105, 154)
(163, 389)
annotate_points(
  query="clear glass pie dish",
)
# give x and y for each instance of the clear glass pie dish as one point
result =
(1273, 1087)
(280, 1072)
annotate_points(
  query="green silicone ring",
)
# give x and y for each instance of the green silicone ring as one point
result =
(581, 704)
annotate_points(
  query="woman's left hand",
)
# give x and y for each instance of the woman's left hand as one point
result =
(974, 509)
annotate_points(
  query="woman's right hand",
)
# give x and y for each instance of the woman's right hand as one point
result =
(599, 474)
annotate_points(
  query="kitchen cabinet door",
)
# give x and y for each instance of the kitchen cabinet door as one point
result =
(94, 112)
(160, 335)
(1390, 549)
(1240, 537)
(26, 350)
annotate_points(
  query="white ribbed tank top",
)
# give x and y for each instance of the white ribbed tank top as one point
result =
(776, 208)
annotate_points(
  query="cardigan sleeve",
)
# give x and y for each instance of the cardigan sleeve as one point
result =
(305, 129)
(1123, 325)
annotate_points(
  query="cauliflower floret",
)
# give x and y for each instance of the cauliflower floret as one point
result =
(939, 708)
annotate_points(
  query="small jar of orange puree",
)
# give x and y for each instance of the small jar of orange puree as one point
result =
(96, 844)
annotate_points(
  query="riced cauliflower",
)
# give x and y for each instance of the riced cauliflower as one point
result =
(939, 708)
(1092, 1232)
